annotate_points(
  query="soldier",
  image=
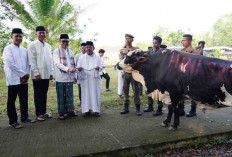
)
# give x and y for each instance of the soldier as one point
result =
(128, 79)
(156, 48)
(188, 48)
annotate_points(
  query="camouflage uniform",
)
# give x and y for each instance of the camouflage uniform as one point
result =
(126, 83)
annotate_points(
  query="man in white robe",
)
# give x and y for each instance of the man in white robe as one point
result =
(89, 66)
(16, 69)
(40, 59)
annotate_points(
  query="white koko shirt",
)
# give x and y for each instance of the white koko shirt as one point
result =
(40, 59)
(16, 64)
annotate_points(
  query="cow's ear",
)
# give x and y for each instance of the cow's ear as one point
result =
(142, 59)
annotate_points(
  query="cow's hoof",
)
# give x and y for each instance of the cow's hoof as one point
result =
(172, 128)
(164, 124)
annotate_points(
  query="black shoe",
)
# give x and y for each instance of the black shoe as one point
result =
(182, 113)
(124, 111)
(157, 113)
(148, 109)
(138, 112)
(191, 114)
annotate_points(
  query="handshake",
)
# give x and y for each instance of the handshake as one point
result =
(25, 78)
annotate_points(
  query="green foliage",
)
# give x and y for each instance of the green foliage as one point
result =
(212, 144)
(217, 53)
(142, 45)
(58, 16)
(4, 39)
(169, 37)
(222, 31)
(4, 36)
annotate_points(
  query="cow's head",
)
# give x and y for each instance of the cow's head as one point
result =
(135, 57)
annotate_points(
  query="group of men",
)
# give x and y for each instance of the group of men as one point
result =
(86, 69)
(125, 75)
(37, 62)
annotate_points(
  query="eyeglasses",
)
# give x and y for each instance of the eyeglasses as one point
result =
(65, 41)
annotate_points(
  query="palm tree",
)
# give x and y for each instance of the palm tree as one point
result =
(58, 16)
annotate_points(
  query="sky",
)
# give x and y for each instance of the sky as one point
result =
(111, 19)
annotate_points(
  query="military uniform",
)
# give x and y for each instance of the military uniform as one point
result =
(192, 112)
(127, 80)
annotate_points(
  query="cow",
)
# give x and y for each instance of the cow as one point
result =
(204, 79)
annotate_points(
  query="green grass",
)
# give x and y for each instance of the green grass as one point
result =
(108, 99)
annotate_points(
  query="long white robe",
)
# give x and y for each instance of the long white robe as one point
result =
(91, 83)
(120, 82)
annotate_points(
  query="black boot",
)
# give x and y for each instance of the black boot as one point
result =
(181, 108)
(149, 109)
(138, 112)
(159, 109)
(192, 112)
(150, 105)
(126, 109)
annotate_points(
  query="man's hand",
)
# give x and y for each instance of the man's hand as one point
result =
(75, 80)
(25, 78)
(79, 69)
(37, 78)
(71, 70)
(51, 77)
(97, 68)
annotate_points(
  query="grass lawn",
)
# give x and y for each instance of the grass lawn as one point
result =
(108, 99)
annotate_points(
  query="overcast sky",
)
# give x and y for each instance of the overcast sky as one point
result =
(111, 19)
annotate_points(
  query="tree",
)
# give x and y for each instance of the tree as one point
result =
(58, 16)
(142, 45)
(4, 38)
(222, 31)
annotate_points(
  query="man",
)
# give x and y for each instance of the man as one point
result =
(65, 71)
(16, 69)
(188, 48)
(200, 47)
(89, 66)
(103, 73)
(128, 79)
(156, 48)
(83, 50)
(40, 59)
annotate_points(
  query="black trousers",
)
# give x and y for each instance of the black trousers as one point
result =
(79, 91)
(22, 91)
(107, 77)
(40, 96)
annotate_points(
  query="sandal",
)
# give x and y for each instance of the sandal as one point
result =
(40, 118)
(47, 115)
(29, 120)
(72, 114)
(16, 126)
(97, 114)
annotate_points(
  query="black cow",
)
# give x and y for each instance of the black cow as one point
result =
(204, 79)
